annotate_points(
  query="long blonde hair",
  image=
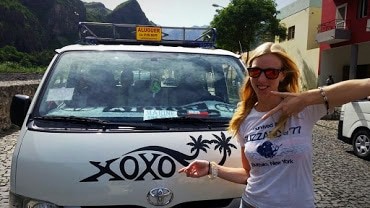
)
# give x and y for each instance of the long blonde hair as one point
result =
(248, 97)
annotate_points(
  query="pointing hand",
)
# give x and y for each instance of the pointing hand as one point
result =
(291, 104)
(196, 169)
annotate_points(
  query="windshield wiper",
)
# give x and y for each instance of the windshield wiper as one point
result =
(74, 119)
(183, 119)
(191, 120)
(102, 123)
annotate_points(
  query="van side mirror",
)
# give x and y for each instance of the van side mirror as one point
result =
(19, 108)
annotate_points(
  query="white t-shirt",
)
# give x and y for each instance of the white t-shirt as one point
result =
(281, 168)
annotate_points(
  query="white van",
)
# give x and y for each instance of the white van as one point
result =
(354, 127)
(112, 122)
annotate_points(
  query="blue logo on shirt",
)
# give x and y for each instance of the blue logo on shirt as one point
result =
(268, 149)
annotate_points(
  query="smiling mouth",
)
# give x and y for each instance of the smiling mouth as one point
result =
(262, 87)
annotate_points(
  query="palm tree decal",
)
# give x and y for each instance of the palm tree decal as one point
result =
(223, 144)
(197, 145)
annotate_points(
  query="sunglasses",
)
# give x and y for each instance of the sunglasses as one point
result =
(270, 73)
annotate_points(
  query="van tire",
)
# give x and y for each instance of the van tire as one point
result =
(361, 143)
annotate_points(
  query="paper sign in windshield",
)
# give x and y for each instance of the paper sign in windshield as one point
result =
(60, 94)
(153, 114)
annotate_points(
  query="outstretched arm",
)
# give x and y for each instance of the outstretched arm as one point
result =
(200, 168)
(336, 94)
(346, 91)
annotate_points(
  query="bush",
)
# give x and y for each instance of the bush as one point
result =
(10, 53)
(43, 58)
(37, 59)
(12, 67)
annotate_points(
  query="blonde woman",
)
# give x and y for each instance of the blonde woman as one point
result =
(273, 125)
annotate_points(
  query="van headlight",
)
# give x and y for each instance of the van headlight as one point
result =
(18, 201)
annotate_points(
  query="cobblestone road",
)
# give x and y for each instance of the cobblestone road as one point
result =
(341, 179)
(7, 144)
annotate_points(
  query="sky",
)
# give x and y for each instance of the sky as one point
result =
(179, 13)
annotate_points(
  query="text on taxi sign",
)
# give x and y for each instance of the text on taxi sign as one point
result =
(148, 33)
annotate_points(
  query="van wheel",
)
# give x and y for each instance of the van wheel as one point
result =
(361, 143)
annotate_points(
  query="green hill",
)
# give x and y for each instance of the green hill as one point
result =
(37, 25)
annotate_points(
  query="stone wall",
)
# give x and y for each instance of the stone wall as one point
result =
(7, 91)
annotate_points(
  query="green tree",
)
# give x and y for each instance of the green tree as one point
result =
(244, 24)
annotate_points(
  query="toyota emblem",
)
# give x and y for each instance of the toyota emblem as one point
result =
(159, 196)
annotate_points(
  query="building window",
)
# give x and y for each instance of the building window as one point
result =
(291, 31)
(362, 8)
(340, 17)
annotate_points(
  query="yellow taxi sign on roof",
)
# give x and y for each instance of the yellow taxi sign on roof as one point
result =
(93, 33)
(148, 33)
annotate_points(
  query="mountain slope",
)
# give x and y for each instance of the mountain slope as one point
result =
(36, 25)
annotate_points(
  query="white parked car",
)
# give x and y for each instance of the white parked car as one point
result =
(112, 122)
(354, 127)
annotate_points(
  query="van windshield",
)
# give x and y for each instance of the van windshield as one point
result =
(125, 86)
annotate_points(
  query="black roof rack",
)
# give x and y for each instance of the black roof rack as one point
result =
(131, 34)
